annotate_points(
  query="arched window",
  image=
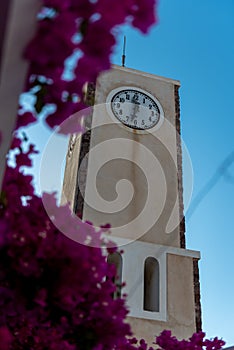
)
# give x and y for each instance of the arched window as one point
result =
(116, 259)
(151, 285)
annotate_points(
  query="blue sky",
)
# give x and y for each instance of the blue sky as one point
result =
(193, 42)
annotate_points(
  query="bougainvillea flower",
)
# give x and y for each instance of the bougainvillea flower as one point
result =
(25, 119)
(144, 15)
(59, 5)
(5, 338)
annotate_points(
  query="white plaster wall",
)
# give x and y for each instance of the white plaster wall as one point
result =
(68, 194)
(149, 192)
(176, 306)
(180, 303)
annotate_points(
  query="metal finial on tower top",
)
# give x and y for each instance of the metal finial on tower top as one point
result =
(124, 51)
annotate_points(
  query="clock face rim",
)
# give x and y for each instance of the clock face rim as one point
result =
(121, 88)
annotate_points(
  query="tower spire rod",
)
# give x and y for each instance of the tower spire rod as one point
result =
(124, 52)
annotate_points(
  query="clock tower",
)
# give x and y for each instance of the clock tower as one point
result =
(126, 170)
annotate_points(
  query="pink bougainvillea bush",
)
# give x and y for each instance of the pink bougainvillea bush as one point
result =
(86, 30)
(54, 292)
(166, 341)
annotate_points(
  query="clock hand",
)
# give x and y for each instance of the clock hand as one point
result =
(135, 108)
(133, 115)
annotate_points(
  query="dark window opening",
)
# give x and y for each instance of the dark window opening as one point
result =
(116, 259)
(151, 285)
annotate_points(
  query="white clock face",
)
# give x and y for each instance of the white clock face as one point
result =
(135, 108)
